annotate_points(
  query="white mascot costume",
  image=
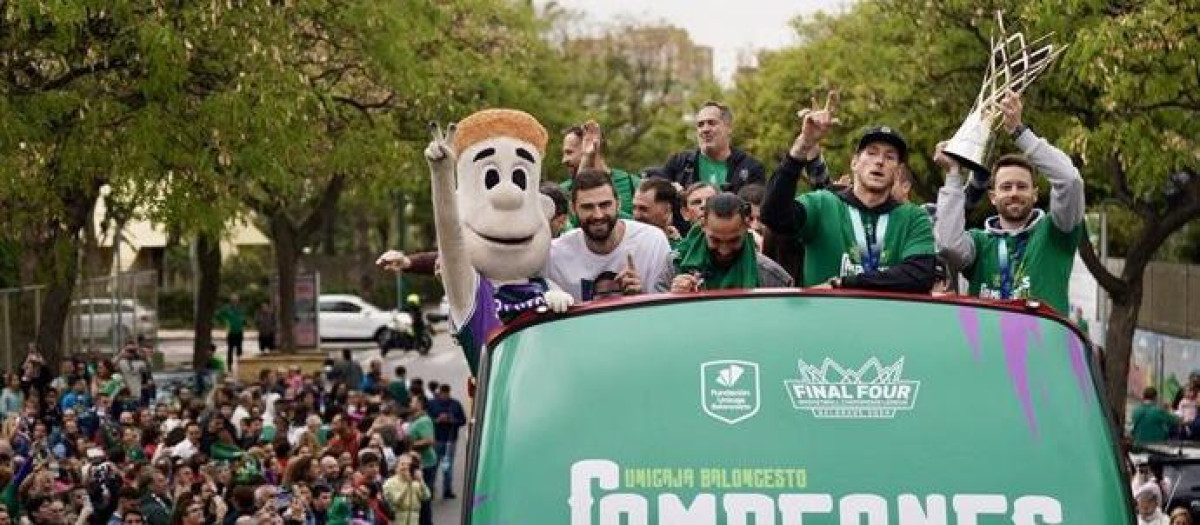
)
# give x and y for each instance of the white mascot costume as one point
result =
(493, 231)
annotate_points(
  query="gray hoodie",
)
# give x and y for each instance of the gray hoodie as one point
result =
(1066, 201)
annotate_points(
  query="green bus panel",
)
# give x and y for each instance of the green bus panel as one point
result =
(794, 409)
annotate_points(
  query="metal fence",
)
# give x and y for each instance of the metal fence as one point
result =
(105, 312)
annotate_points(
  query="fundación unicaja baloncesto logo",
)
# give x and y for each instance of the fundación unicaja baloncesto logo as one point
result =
(729, 390)
(871, 391)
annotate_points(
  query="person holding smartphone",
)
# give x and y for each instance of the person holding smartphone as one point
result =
(406, 490)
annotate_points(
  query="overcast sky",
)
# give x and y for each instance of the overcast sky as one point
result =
(730, 27)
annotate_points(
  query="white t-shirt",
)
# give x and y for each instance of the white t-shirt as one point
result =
(582, 273)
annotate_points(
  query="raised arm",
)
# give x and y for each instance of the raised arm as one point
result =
(780, 211)
(458, 277)
(953, 243)
(1066, 184)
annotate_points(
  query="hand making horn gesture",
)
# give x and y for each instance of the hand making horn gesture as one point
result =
(815, 124)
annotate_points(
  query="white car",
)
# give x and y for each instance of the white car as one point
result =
(346, 317)
(102, 318)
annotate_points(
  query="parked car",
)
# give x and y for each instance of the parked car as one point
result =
(343, 317)
(102, 318)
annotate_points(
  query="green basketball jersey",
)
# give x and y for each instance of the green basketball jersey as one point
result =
(1033, 264)
(831, 248)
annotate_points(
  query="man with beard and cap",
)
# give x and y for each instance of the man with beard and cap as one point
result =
(721, 253)
(606, 250)
(1022, 252)
(859, 237)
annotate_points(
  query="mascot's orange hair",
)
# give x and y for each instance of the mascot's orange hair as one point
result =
(492, 123)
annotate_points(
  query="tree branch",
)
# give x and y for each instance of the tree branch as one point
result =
(324, 208)
(1155, 232)
(72, 75)
(366, 107)
(1120, 184)
(1111, 283)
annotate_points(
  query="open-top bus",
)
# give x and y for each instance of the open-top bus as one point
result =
(793, 407)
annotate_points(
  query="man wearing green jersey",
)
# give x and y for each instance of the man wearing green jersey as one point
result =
(714, 160)
(583, 148)
(858, 237)
(1022, 252)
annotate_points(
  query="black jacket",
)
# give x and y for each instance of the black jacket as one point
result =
(743, 169)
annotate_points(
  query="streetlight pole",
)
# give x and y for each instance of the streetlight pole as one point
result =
(401, 230)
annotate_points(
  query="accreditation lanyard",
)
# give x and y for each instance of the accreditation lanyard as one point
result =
(870, 243)
(1010, 267)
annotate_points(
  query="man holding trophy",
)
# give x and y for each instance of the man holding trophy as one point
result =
(1022, 252)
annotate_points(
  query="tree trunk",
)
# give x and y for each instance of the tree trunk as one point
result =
(287, 253)
(1118, 347)
(59, 258)
(56, 303)
(208, 266)
(364, 265)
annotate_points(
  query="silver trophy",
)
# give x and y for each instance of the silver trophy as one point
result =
(1014, 65)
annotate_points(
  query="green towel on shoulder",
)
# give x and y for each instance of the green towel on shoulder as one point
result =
(694, 256)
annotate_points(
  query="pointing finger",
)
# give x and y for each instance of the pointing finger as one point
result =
(831, 100)
(629, 262)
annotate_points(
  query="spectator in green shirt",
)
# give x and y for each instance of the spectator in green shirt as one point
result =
(1151, 422)
(398, 387)
(234, 317)
(420, 431)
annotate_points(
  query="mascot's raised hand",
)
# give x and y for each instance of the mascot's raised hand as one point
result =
(492, 222)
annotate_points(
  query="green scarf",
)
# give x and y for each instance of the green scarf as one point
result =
(694, 256)
(224, 451)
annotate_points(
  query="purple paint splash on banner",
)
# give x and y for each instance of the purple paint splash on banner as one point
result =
(480, 500)
(1016, 330)
(1079, 364)
(968, 318)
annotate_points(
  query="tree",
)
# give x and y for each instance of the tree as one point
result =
(77, 79)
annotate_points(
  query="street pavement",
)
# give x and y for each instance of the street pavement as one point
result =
(444, 364)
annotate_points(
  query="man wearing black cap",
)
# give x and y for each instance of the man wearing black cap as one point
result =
(859, 237)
